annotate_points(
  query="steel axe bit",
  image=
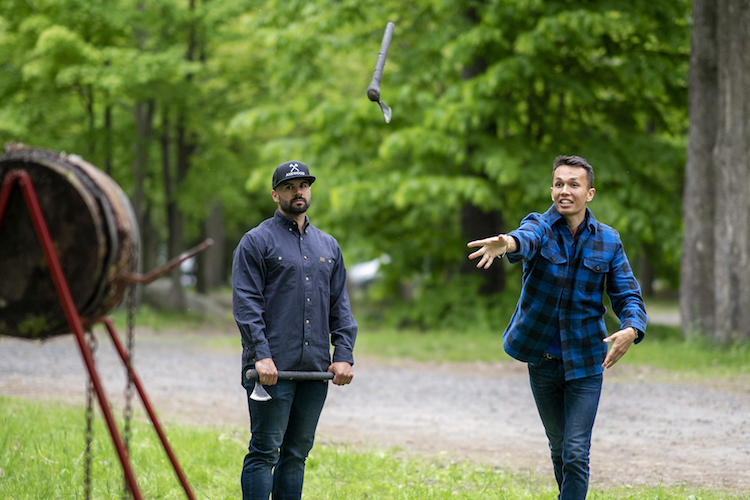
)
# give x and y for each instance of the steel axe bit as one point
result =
(259, 393)
(373, 91)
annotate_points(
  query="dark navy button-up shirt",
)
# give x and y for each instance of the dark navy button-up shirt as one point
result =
(563, 287)
(289, 297)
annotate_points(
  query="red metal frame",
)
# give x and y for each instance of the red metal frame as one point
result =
(23, 180)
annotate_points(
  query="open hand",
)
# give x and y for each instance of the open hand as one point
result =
(490, 249)
(619, 343)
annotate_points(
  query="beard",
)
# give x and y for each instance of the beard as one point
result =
(291, 208)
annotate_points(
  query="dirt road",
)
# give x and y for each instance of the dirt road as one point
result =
(648, 431)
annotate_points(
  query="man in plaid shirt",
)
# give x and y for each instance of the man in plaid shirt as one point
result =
(558, 325)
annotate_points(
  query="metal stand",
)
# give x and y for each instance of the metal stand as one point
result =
(23, 180)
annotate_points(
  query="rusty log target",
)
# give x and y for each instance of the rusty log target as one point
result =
(94, 231)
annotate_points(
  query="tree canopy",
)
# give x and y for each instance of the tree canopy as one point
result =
(194, 102)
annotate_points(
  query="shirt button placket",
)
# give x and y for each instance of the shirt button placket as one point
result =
(306, 267)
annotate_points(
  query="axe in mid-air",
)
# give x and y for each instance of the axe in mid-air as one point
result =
(373, 91)
(260, 394)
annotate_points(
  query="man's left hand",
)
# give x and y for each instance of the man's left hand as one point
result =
(620, 342)
(343, 372)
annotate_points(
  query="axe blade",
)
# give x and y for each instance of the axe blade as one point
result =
(386, 111)
(259, 393)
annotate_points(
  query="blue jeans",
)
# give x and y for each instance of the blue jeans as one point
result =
(567, 410)
(283, 431)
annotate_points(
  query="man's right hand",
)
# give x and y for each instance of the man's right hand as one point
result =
(267, 372)
(490, 249)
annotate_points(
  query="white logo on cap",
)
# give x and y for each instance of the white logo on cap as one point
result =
(294, 170)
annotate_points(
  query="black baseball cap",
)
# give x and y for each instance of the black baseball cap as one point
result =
(291, 170)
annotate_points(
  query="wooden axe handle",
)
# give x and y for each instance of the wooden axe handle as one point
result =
(373, 91)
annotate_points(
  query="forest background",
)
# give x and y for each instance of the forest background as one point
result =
(190, 104)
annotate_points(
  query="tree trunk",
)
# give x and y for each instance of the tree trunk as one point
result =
(173, 177)
(646, 274)
(715, 281)
(174, 215)
(87, 93)
(211, 261)
(477, 224)
(697, 273)
(143, 115)
(149, 242)
(732, 159)
(108, 147)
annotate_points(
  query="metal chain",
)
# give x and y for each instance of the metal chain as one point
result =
(131, 305)
(91, 340)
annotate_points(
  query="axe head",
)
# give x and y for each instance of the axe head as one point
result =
(386, 111)
(259, 393)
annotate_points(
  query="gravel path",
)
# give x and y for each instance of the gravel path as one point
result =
(647, 431)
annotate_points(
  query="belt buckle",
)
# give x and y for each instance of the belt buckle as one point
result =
(549, 356)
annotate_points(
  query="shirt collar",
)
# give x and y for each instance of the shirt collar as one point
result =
(287, 222)
(554, 217)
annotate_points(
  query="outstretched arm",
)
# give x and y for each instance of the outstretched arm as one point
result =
(491, 248)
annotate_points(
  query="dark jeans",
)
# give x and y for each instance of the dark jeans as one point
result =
(568, 410)
(283, 430)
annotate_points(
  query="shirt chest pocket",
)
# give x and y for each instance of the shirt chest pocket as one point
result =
(282, 270)
(553, 254)
(592, 279)
(323, 269)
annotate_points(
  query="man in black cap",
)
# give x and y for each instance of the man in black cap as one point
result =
(289, 299)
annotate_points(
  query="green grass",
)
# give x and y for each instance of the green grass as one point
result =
(41, 457)
(41, 448)
(160, 320)
(432, 345)
(662, 348)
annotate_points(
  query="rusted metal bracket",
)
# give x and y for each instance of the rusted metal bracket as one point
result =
(169, 265)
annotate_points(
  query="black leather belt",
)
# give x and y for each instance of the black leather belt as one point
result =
(550, 356)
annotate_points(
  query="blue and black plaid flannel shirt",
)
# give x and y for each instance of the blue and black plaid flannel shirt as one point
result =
(563, 289)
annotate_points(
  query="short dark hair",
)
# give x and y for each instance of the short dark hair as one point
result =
(575, 161)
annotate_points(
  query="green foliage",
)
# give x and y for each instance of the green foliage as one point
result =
(485, 95)
(74, 72)
(448, 304)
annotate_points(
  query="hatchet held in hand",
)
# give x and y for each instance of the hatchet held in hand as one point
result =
(260, 394)
(373, 91)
